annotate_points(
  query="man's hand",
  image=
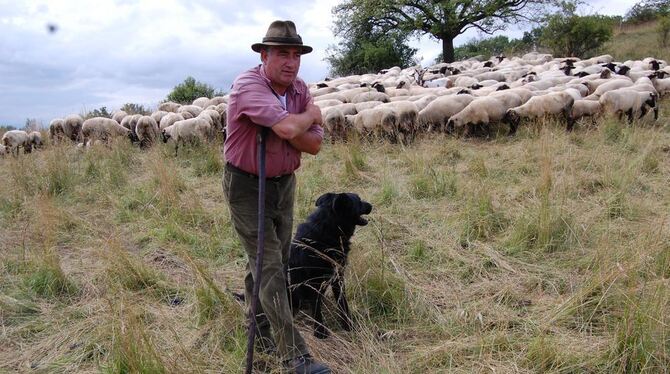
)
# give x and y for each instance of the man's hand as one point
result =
(315, 112)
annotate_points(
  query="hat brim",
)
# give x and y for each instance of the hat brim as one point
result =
(304, 49)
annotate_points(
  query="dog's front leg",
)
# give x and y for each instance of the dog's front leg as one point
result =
(343, 313)
(320, 330)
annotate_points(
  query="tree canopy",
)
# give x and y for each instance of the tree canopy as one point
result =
(443, 20)
(189, 90)
(369, 52)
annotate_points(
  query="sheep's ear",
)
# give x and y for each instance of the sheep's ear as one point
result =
(325, 199)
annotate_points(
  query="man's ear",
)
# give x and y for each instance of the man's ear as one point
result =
(325, 199)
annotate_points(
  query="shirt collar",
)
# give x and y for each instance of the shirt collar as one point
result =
(290, 89)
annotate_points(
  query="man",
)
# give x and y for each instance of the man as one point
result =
(271, 96)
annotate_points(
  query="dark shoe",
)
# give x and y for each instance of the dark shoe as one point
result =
(265, 345)
(306, 365)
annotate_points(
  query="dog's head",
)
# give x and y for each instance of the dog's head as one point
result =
(348, 207)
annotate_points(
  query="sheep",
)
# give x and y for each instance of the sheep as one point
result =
(103, 129)
(332, 96)
(194, 110)
(170, 119)
(662, 85)
(215, 119)
(56, 132)
(13, 139)
(35, 138)
(202, 102)
(147, 131)
(72, 127)
(406, 119)
(157, 115)
(375, 121)
(118, 115)
(216, 100)
(189, 130)
(370, 96)
(334, 124)
(436, 114)
(480, 111)
(366, 105)
(130, 122)
(169, 106)
(3, 150)
(629, 102)
(551, 104)
(327, 103)
(585, 108)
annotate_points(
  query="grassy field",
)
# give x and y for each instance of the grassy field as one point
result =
(548, 252)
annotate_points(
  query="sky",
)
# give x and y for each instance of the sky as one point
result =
(111, 52)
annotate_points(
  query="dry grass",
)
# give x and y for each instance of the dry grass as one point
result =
(547, 252)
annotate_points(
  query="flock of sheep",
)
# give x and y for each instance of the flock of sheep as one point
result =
(397, 104)
(460, 97)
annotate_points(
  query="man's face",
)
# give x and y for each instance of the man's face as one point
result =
(281, 65)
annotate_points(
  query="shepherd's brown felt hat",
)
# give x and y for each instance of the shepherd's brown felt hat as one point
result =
(282, 33)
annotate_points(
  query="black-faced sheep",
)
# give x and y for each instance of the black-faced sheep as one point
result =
(13, 139)
(586, 108)
(551, 104)
(370, 96)
(378, 122)
(72, 127)
(482, 111)
(629, 102)
(56, 132)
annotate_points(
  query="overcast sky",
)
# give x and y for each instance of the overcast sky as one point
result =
(110, 52)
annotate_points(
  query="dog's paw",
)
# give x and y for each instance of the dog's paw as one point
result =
(321, 332)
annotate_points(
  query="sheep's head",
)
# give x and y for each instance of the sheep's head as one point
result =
(464, 91)
(476, 86)
(581, 74)
(511, 117)
(321, 85)
(605, 74)
(566, 69)
(502, 87)
(488, 64)
(609, 66)
(165, 136)
(661, 74)
(655, 65)
(401, 84)
(379, 87)
(623, 70)
(651, 100)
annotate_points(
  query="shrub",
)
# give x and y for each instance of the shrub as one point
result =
(189, 90)
(573, 35)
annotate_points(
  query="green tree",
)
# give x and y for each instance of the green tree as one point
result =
(190, 89)
(369, 52)
(132, 108)
(443, 20)
(568, 34)
(647, 10)
(102, 112)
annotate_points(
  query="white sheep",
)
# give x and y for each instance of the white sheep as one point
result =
(334, 123)
(35, 138)
(103, 129)
(118, 115)
(56, 132)
(215, 118)
(194, 110)
(586, 108)
(158, 115)
(147, 131)
(202, 102)
(370, 96)
(72, 127)
(480, 111)
(13, 139)
(189, 130)
(366, 105)
(377, 121)
(550, 104)
(169, 106)
(406, 119)
(170, 119)
(629, 102)
(436, 114)
(130, 122)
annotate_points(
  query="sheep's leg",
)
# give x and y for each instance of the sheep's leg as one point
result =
(570, 121)
(656, 112)
(512, 128)
(629, 113)
(643, 111)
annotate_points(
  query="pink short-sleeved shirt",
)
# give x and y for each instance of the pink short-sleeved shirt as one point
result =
(253, 103)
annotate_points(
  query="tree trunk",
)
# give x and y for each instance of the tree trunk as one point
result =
(448, 49)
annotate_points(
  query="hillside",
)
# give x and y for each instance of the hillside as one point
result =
(636, 42)
(544, 252)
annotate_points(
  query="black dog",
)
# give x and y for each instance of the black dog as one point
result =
(319, 253)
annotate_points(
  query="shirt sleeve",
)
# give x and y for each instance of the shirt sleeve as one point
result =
(257, 102)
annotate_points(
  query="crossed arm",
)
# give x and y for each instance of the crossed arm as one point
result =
(295, 129)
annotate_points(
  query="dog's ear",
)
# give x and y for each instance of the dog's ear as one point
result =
(341, 202)
(325, 199)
